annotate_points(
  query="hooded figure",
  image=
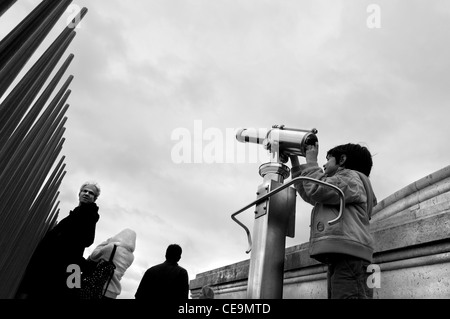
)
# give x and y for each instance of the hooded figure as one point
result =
(123, 257)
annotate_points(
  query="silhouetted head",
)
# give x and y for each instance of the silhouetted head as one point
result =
(207, 293)
(173, 253)
(352, 156)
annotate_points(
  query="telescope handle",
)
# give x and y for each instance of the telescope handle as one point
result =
(278, 189)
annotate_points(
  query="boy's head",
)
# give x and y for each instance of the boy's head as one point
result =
(352, 156)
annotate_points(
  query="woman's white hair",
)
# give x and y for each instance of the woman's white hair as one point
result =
(96, 186)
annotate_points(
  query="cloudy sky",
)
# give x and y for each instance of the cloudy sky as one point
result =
(160, 86)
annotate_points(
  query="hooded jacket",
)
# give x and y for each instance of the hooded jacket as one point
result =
(125, 242)
(351, 234)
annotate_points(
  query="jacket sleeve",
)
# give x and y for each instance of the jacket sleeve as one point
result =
(99, 252)
(183, 285)
(144, 288)
(88, 224)
(296, 172)
(346, 180)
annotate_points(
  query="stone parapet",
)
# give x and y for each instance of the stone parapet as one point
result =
(411, 229)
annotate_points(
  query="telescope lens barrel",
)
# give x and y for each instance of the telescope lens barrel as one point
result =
(251, 135)
(288, 141)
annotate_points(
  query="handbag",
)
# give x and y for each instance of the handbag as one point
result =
(95, 283)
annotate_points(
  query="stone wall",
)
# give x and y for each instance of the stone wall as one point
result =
(411, 229)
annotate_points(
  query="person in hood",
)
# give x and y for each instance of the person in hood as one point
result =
(125, 242)
(347, 245)
(47, 274)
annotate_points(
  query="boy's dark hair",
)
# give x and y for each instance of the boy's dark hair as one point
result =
(173, 253)
(358, 157)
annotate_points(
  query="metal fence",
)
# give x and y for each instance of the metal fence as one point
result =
(32, 119)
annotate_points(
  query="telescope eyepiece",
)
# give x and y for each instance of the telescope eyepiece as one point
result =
(311, 139)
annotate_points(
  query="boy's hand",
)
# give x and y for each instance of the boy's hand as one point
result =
(283, 158)
(311, 153)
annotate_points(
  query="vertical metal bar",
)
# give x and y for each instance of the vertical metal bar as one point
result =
(27, 164)
(31, 138)
(22, 253)
(5, 5)
(44, 157)
(13, 67)
(25, 147)
(28, 176)
(14, 177)
(12, 42)
(63, 39)
(17, 103)
(13, 142)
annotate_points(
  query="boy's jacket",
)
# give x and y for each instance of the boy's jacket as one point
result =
(351, 234)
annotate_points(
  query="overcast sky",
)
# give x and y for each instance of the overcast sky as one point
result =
(160, 86)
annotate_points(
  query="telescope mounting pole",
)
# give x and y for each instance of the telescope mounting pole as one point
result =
(274, 220)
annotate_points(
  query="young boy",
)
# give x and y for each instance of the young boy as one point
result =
(346, 246)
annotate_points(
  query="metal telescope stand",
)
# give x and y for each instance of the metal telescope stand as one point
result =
(274, 220)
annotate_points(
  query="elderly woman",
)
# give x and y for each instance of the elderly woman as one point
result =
(47, 273)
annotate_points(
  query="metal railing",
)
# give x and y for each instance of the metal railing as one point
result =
(279, 189)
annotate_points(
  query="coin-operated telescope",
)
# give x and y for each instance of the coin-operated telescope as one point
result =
(280, 140)
(275, 207)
